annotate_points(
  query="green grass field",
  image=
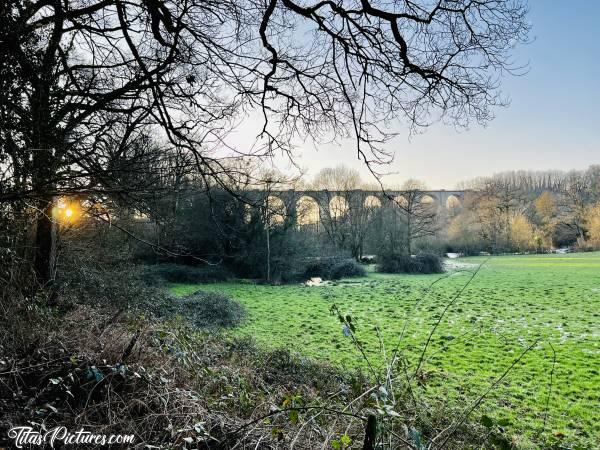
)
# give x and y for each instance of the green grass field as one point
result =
(510, 303)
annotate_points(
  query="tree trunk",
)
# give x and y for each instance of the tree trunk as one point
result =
(43, 145)
(268, 253)
(408, 236)
(46, 235)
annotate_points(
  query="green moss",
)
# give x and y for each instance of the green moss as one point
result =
(513, 301)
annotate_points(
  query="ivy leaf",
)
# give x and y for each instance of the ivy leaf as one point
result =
(383, 392)
(94, 374)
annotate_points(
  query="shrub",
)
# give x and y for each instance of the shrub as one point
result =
(346, 269)
(209, 310)
(320, 268)
(120, 285)
(429, 263)
(123, 286)
(394, 263)
(178, 273)
(334, 269)
(422, 263)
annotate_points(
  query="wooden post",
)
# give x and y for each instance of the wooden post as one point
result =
(370, 433)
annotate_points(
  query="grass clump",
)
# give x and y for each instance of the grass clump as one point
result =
(423, 263)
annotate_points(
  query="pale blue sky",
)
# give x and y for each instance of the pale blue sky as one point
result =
(552, 122)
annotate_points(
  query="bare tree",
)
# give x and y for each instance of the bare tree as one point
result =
(345, 211)
(418, 213)
(91, 71)
(273, 211)
(545, 214)
(496, 200)
(575, 199)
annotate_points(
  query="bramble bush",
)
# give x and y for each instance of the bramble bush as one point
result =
(209, 310)
(423, 263)
(334, 269)
(125, 286)
(347, 269)
(179, 273)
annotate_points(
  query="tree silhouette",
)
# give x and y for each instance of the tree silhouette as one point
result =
(91, 79)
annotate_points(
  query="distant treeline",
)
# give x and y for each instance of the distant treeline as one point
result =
(529, 211)
(539, 180)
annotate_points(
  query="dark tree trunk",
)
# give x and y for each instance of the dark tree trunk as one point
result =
(408, 235)
(43, 145)
(46, 236)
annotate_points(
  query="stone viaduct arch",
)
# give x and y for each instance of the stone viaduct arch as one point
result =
(305, 207)
(372, 201)
(307, 211)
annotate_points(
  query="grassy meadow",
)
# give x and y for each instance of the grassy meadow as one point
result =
(511, 303)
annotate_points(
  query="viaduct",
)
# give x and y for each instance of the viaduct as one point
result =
(288, 202)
